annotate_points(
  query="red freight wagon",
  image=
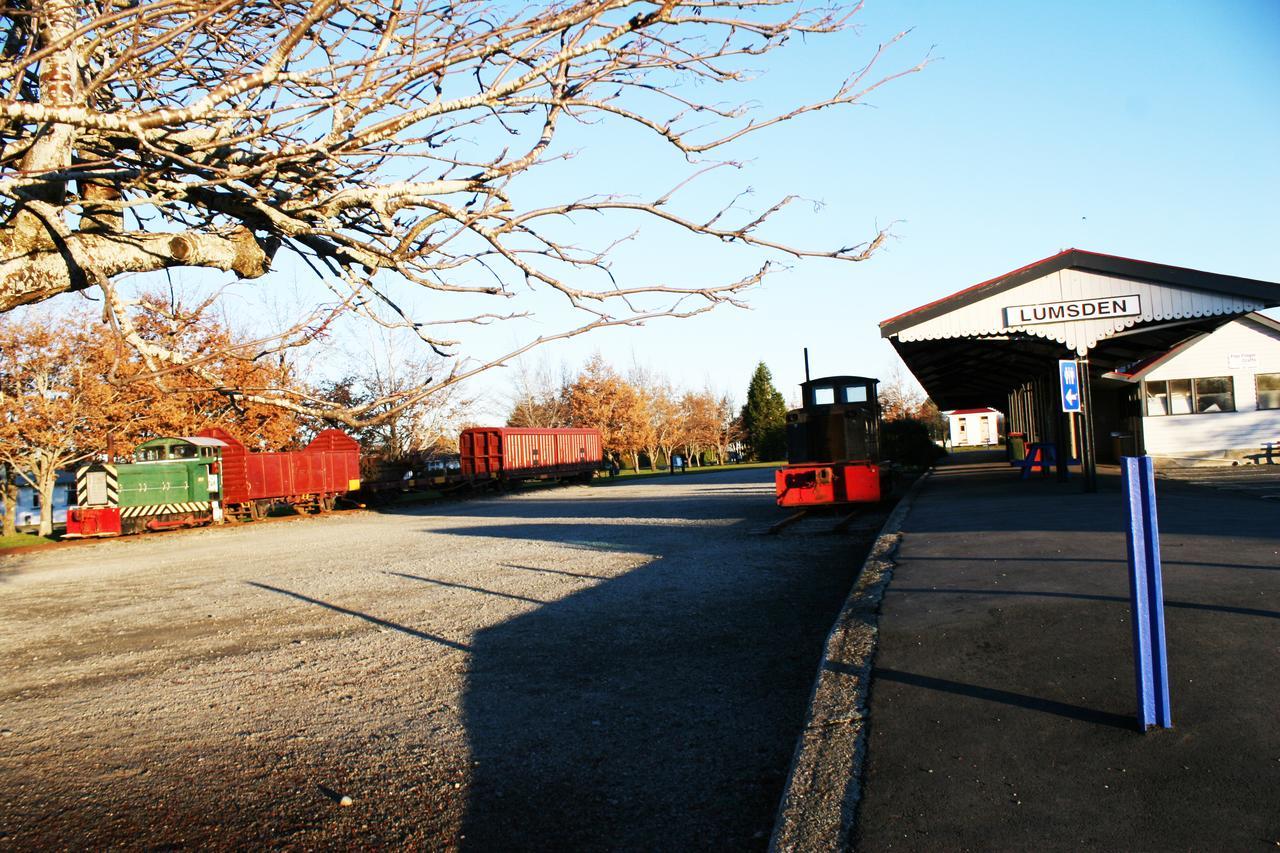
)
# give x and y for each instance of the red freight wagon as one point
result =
(507, 453)
(315, 476)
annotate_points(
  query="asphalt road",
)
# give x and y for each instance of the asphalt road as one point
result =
(1258, 481)
(618, 667)
(1002, 698)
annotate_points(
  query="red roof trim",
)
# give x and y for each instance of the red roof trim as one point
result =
(1268, 292)
(977, 286)
(984, 411)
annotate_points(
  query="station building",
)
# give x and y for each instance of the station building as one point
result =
(1171, 361)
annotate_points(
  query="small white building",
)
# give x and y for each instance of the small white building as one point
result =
(1215, 394)
(975, 427)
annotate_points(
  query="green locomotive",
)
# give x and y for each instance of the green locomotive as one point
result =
(172, 482)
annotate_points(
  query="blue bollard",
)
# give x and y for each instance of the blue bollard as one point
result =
(1146, 593)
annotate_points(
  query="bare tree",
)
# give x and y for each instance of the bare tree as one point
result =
(385, 369)
(380, 143)
(900, 396)
(538, 398)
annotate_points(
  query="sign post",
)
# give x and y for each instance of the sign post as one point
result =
(1069, 381)
(1070, 397)
(1146, 593)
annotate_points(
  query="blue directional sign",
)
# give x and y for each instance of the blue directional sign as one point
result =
(1069, 379)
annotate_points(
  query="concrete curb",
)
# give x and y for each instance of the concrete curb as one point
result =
(819, 803)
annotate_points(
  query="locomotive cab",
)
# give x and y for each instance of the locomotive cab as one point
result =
(833, 445)
(838, 421)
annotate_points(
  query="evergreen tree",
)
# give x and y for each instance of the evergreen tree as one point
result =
(764, 417)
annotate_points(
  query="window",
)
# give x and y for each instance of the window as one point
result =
(855, 393)
(824, 396)
(1207, 395)
(1215, 394)
(1268, 390)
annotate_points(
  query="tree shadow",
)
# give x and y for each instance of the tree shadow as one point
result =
(467, 588)
(1084, 596)
(1091, 559)
(991, 694)
(657, 709)
(383, 623)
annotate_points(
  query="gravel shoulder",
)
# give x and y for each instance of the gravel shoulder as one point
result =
(623, 667)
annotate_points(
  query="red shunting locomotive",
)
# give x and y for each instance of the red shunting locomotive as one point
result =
(833, 445)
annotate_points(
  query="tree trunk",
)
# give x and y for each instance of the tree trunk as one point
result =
(635, 460)
(10, 494)
(45, 479)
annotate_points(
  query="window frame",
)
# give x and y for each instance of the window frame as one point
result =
(1257, 393)
(1195, 396)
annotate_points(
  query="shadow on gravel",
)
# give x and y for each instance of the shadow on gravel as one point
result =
(660, 708)
(383, 623)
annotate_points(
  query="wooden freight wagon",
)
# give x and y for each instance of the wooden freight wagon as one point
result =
(509, 454)
(313, 477)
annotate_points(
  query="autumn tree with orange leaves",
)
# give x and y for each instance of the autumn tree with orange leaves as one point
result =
(601, 399)
(68, 393)
(55, 407)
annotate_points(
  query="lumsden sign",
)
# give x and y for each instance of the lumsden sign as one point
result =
(1076, 309)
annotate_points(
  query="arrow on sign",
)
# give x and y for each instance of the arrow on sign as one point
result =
(1072, 396)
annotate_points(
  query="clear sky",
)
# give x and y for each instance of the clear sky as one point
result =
(1148, 130)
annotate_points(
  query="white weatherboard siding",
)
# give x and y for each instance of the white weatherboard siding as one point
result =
(1157, 302)
(1244, 429)
(972, 435)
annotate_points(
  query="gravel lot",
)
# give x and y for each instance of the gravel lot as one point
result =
(617, 667)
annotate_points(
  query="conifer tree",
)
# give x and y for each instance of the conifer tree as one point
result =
(764, 417)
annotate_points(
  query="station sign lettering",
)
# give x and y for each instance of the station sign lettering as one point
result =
(1076, 309)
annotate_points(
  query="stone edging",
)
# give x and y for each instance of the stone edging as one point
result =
(819, 804)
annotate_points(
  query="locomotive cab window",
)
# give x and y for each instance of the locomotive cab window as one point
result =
(824, 396)
(855, 393)
(184, 451)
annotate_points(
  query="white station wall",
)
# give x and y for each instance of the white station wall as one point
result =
(1244, 429)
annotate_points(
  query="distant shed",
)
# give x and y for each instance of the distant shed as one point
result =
(975, 427)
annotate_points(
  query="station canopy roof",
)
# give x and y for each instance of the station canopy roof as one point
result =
(972, 347)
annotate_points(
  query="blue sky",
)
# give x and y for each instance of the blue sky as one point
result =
(1149, 130)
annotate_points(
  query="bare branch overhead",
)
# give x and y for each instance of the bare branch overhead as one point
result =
(380, 143)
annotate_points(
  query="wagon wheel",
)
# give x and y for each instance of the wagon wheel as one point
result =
(258, 509)
(328, 502)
